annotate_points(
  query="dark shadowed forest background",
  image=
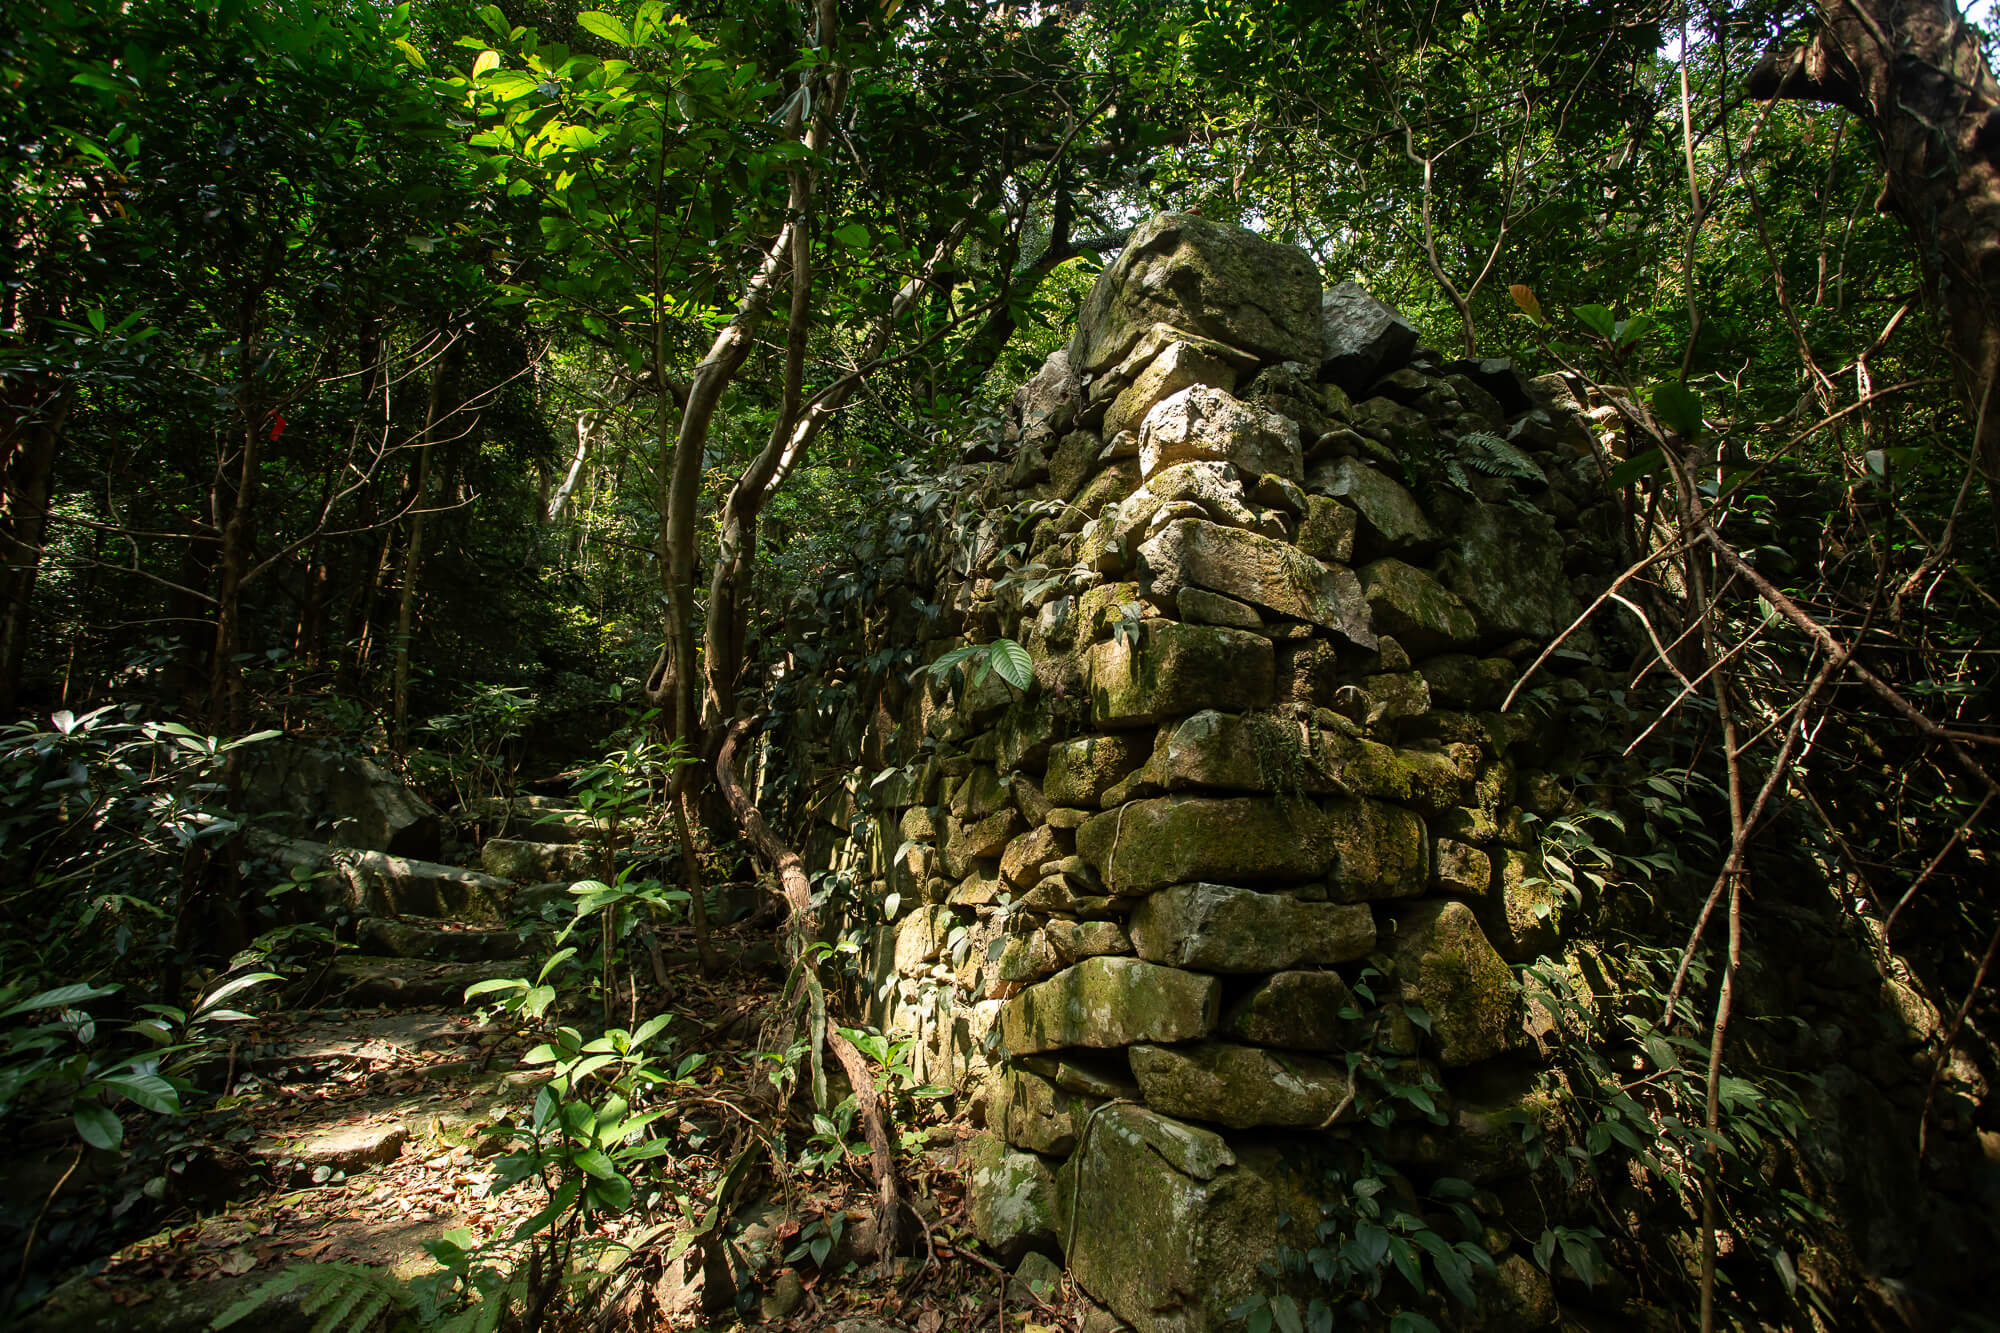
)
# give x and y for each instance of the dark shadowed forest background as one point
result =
(506, 406)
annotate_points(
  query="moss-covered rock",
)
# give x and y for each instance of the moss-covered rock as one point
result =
(1166, 1223)
(1380, 851)
(1110, 1002)
(1299, 1011)
(1507, 565)
(1214, 280)
(1082, 770)
(1461, 869)
(1178, 669)
(1238, 1086)
(1021, 863)
(1259, 570)
(1010, 1197)
(1413, 606)
(1522, 911)
(1445, 963)
(1204, 424)
(1327, 530)
(1179, 365)
(1216, 928)
(1390, 520)
(1146, 845)
(1031, 1112)
(965, 842)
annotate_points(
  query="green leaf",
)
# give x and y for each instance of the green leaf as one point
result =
(595, 1163)
(148, 1090)
(1285, 1311)
(600, 24)
(61, 996)
(99, 1127)
(1679, 407)
(91, 78)
(1012, 662)
(485, 63)
(1636, 467)
(1409, 1321)
(1598, 320)
(853, 236)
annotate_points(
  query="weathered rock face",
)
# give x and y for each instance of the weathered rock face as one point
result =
(302, 791)
(1140, 899)
(1209, 279)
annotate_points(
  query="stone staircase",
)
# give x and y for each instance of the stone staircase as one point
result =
(360, 1125)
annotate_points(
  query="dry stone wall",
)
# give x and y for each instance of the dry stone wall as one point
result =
(1259, 773)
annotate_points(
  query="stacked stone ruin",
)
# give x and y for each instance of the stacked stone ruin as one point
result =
(1128, 906)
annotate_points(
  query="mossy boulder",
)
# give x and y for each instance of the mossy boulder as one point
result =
(1110, 1002)
(1413, 606)
(1206, 424)
(1147, 845)
(1210, 279)
(1010, 1197)
(1216, 928)
(1082, 770)
(1178, 669)
(1299, 1010)
(1259, 570)
(1380, 851)
(1238, 1086)
(1445, 963)
(1166, 1223)
(1390, 522)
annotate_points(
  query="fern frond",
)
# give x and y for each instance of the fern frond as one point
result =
(1495, 457)
(348, 1298)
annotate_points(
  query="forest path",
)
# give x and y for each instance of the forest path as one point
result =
(364, 1123)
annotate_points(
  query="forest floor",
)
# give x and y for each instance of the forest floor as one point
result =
(361, 1127)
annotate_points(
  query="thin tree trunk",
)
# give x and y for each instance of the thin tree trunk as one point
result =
(413, 563)
(29, 447)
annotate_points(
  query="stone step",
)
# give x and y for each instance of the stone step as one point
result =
(529, 862)
(426, 938)
(409, 983)
(531, 819)
(377, 884)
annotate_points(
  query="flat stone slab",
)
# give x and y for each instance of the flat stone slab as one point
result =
(1239, 1086)
(346, 1148)
(1147, 845)
(1216, 928)
(1110, 1001)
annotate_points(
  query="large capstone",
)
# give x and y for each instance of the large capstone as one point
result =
(1110, 1002)
(1216, 928)
(1210, 279)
